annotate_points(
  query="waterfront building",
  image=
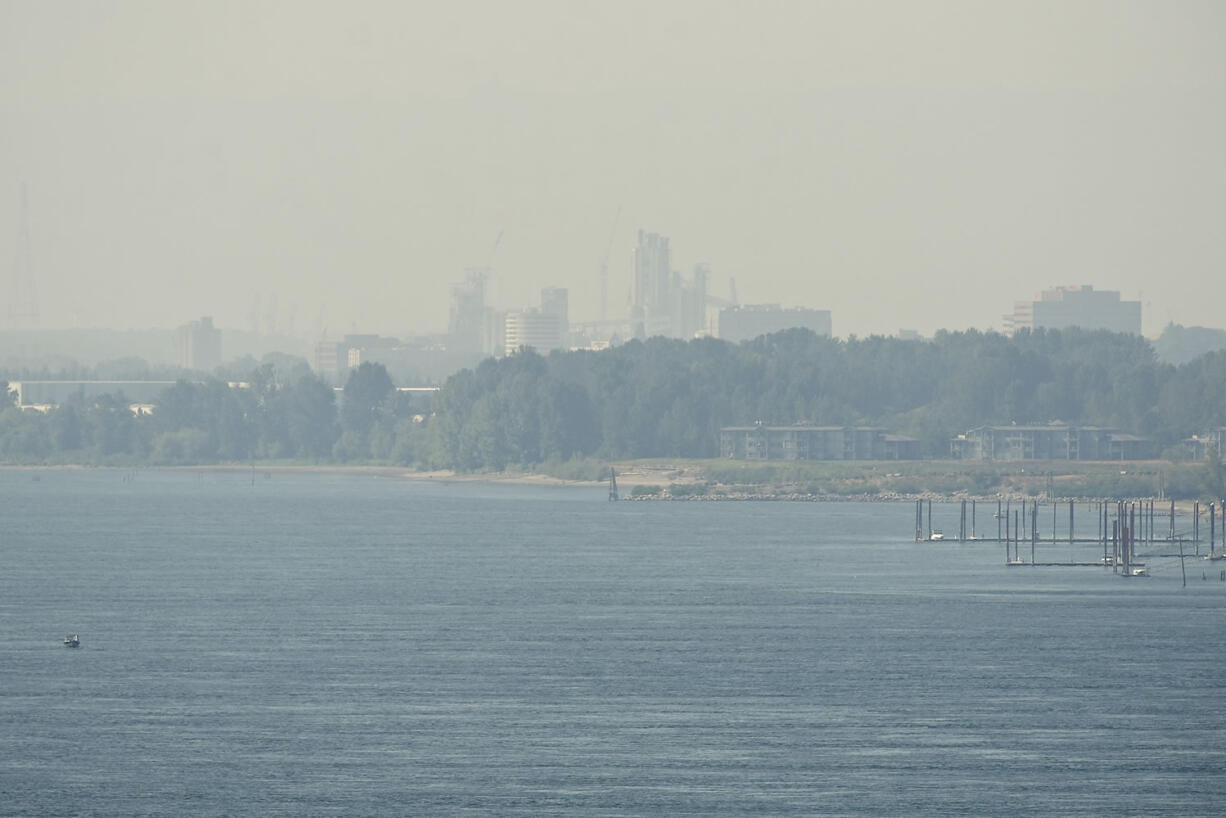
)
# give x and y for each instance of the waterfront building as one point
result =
(1203, 446)
(801, 442)
(1053, 441)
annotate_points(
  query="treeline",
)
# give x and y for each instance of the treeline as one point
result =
(667, 398)
(654, 398)
(292, 419)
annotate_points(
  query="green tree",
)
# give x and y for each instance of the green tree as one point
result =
(368, 386)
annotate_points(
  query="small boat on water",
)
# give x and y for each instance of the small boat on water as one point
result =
(72, 641)
(936, 535)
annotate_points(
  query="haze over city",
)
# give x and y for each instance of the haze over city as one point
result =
(918, 165)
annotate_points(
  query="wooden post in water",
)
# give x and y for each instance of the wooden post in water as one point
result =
(1034, 529)
(1196, 526)
(1102, 529)
(1212, 528)
(1006, 538)
(1181, 568)
(1131, 538)
(929, 519)
(972, 519)
(1070, 522)
(1102, 526)
(998, 521)
(1115, 545)
(1017, 536)
(1171, 534)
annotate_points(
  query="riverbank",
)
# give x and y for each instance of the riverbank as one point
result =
(906, 481)
(799, 481)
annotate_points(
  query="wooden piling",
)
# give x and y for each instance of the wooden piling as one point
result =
(1212, 529)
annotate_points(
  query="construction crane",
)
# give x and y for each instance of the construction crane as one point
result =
(604, 268)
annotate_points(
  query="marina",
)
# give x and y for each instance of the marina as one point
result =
(1126, 531)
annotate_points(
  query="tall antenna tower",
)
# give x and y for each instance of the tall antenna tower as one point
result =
(23, 305)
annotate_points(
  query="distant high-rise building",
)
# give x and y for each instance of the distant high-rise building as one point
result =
(331, 360)
(467, 326)
(653, 285)
(556, 301)
(690, 314)
(751, 320)
(1077, 306)
(533, 328)
(665, 303)
(199, 345)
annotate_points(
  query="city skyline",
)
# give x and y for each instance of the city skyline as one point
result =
(906, 165)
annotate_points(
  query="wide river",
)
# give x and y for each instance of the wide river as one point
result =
(343, 644)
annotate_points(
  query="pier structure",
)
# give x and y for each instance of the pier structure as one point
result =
(1126, 531)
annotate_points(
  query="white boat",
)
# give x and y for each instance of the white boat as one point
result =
(1140, 572)
(936, 535)
(72, 641)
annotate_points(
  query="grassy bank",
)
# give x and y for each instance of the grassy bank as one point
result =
(948, 478)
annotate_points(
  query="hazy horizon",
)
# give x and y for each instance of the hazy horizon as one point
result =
(904, 165)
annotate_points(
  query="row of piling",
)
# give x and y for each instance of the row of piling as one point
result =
(1021, 524)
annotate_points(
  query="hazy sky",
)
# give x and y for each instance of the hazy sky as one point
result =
(903, 164)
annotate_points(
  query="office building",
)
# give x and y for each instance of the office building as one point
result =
(199, 345)
(556, 301)
(469, 327)
(1077, 306)
(747, 322)
(533, 328)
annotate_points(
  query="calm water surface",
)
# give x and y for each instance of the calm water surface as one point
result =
(322, 644)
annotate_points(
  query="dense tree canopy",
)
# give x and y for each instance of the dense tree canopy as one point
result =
(669, 398)
(653, 398)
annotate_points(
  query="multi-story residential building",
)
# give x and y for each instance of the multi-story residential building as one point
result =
(799, 442)
(1202, 446)
(1054, 441)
